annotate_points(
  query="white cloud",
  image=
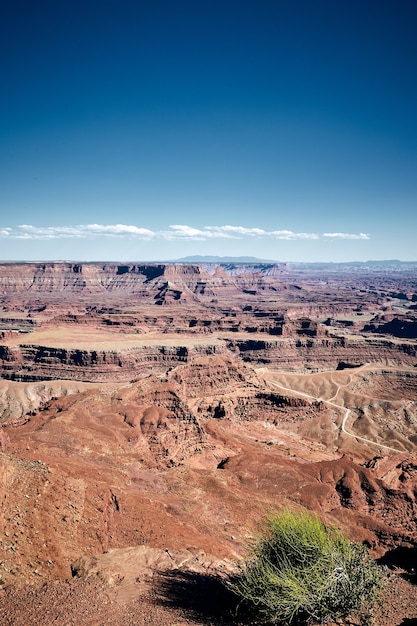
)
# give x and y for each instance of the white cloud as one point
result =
(289, 235)
(27, 231)
(345, 236)
(119, 229)
(174, 232)
(238, 230)
(182, 231)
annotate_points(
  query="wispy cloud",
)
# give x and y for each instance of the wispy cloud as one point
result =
(173, 232)
(26, 231)
(234, 231)
(289, 235)
(241, 231)
(345, 236)
(182, 231)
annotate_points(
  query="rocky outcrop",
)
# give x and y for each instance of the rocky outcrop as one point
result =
(316, 354)
(27, 362)
(163, 428)
(214, 376)
(403, 326)
(141, 563)
(18, 401)
(275, 408)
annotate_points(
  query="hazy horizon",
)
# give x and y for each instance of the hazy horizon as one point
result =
(208, 259)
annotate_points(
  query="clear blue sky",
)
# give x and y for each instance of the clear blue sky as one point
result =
(282, 129)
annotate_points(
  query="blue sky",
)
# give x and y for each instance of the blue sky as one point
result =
(282, 129)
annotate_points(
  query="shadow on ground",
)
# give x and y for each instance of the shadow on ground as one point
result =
(205, 598)
(405, 559)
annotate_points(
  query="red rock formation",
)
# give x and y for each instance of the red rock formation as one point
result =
(178, 441)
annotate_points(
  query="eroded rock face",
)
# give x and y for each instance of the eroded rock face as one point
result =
(31, 362)
(105, 322)
(299, 354)
(403, 326)
(173, 461)
(160, 282)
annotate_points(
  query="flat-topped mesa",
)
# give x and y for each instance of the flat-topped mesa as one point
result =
(178, 269)
(303, 327)
(131, 358)
(29, 362)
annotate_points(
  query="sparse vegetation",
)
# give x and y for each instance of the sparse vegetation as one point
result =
(302, 571)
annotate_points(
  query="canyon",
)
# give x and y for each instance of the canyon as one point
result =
(151, 415)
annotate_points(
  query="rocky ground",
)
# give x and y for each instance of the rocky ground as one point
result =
(177, 598)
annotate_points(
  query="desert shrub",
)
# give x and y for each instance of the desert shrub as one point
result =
(302, 571)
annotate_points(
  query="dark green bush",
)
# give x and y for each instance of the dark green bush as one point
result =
(302, 571)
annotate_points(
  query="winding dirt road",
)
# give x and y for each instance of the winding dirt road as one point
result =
(339, 407)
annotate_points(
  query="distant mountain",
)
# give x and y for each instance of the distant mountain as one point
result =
(391, 263)
(222, 259)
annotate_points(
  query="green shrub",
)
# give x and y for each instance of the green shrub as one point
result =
(302, 571)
